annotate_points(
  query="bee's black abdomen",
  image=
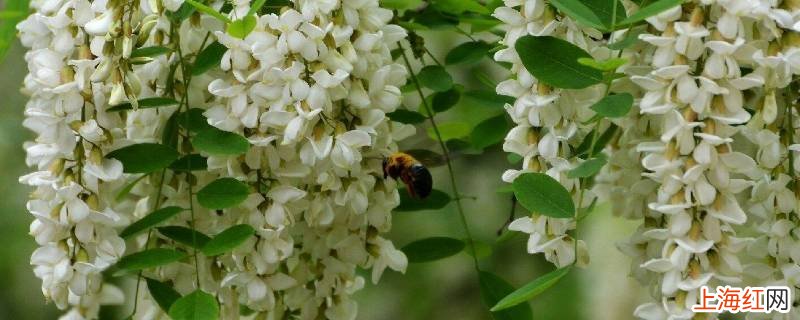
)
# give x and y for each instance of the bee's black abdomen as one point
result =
(422, 180)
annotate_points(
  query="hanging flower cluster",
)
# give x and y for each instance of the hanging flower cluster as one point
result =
(549, 122)
(706, 150)
(149, 112)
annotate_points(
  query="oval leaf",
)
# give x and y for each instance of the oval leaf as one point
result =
(436, 200)
(555, 62)
(209, 58)
(588, 168)
(614, 106)
(223, 193)
(241, 28)
(431, 249)
(185, 236)
(191, 162)
(443, 101)
(144, 157)
(494, 288)
(219, 142)
(406, 116)
(578, 11)
(228, 240)
(489, 132)
(531, 290)
(149, 259)
(435, 78)
(467, 52)
(197, 305)
(542, 194)
(162, 293)
(150, 220)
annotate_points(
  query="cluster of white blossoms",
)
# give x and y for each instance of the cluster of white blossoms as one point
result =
(692, 163)
(309, 88)
(550, 123)
(71, 79)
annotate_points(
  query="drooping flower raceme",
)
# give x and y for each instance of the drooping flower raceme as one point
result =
(548, 122)
(308, 88)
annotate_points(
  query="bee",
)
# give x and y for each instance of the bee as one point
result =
(402, 166)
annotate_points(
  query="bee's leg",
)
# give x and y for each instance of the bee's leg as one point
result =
(409, 182)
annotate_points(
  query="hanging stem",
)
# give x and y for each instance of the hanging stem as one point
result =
(448, 161)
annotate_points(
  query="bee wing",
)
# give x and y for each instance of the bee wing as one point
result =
(427, 157)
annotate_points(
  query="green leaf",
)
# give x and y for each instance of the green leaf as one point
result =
(208, 10)
(436, 200)
(450, 131)
(169, 136)
(588, 168)
(412, 26)
(531, 290)
(228, 240)
(542, 194)
(429, 158)
(406, 116)
(185, 236)
(255, 7)
(604, 10)
(600, 143)
(182, 13)
(480, 23)
(467, 52)
(578, 11)
(150, 51)
(150, 220)
(191, 162)
(649, 11)
(401, 4)
(162, 293)
(197, 305)
(489, 132)
(435, 78)
(555, 62)
(223, 193)
(209, 58)
(432, 249)
(494, 288)
(146, 103)
(242, 27)
(614, 106)
(194, 120)
(434, 19)
(458, 7)
(8, 30)
(150, 258)
(219, 142)
(127, 189)
(144, 157)
(443, 101)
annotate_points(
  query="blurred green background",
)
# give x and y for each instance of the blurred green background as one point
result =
(446, 289)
